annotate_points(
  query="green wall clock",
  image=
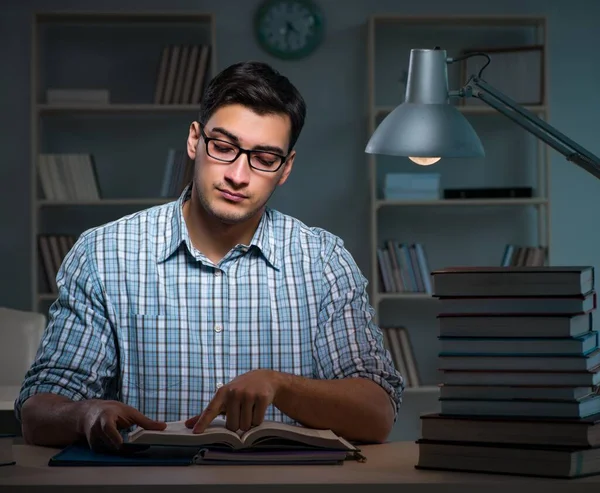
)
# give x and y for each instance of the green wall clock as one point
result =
(289, 29)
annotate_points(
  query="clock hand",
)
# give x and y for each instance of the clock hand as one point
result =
(290, 27)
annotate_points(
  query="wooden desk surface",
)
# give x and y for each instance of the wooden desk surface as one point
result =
(389, 467)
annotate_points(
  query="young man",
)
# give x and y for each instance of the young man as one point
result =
(215, 303)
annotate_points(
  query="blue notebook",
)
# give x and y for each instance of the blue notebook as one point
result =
(82, 455)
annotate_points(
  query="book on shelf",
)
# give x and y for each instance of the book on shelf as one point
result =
(507, 395)
(178, 172)
(403, 268)
(52, 251)
(524, 256)
(68, 177)
(397, 341)
(488, 193)
(411, 186)
(182, 73)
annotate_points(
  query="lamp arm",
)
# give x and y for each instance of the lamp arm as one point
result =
(478, 88)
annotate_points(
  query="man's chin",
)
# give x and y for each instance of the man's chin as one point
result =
(228, 216)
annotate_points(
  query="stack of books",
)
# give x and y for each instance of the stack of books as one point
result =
(412, 186)
(520, 365)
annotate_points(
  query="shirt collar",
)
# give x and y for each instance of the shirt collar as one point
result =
(176, 232)
(264, 239)
(175, 228)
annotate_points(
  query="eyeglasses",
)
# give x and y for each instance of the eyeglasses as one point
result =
(225, 151)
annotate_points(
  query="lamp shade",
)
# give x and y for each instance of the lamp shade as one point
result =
(425, 125)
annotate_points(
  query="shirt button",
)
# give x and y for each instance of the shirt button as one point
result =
(217, 273)
(218, 328)
(219, 385)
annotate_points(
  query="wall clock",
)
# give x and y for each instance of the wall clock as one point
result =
(289, 29)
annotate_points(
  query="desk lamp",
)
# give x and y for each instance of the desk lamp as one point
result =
(426, 127)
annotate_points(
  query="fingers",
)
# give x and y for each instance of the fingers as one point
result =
(104, 419)
(259, 410)
(145, 422)
(214, 408)
(232, 410)
(244, 400)
(104, 435)
(246, 411)
(112, 433)
(191, 422)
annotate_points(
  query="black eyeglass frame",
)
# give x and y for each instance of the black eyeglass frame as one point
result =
(241, 151)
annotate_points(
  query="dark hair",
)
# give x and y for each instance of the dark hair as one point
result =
(259, 87)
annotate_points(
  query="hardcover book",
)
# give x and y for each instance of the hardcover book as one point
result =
(269, 434)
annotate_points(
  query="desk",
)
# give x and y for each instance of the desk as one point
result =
(389, 467)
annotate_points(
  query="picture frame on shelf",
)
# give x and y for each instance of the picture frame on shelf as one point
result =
(516, 71)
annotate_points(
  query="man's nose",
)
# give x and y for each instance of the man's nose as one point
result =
(239, 170)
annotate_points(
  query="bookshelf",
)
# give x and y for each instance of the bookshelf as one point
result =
(129, 133)
(117, 108)
(460, 202)
(451, 231)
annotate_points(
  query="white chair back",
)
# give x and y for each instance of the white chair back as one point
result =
(20, 335)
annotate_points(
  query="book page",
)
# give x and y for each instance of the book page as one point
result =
(275, 426)
(301, 434)
(176, 433)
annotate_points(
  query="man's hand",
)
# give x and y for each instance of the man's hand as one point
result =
(244, 401)
(100, 422)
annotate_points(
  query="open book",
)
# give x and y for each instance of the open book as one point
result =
(269, 434)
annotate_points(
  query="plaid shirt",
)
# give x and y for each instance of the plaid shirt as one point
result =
(145, 318)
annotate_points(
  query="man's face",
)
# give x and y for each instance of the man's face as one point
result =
(235, 192)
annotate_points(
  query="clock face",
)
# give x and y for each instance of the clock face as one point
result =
(289, 29)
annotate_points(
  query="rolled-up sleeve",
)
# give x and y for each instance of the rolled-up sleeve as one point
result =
(349, 343)
(77, 355)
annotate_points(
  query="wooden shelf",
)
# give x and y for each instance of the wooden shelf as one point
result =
(460, 202)
(466, 109)
(461, 20)
(117, 108)
(424, 389)
(123, 17)
(407, 296)
(104, 202)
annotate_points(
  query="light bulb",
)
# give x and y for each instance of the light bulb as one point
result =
(424, 161)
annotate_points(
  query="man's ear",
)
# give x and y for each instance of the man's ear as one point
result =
(287, 168)
(192, 141)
